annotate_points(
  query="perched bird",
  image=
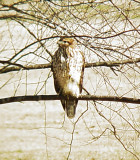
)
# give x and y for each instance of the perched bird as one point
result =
(68, 70)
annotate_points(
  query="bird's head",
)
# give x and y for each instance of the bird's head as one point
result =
(67, 42)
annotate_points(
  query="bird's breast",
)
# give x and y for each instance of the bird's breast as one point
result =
(68, 71)
(71, 89)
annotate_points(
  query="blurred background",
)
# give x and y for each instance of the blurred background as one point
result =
(108, 32)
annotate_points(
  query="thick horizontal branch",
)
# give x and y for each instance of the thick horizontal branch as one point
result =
(57, 97)
(88, 65)
(10, 63)
(28, 67)
(113, 63)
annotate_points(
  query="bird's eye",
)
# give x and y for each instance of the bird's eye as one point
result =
(65, 41)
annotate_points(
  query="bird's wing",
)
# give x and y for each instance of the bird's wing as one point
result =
(82, 72)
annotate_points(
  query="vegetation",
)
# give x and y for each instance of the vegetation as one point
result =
(32, 122)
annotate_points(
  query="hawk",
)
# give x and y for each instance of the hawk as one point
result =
(68, 70)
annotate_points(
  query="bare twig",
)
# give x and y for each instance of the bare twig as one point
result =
(114, 131)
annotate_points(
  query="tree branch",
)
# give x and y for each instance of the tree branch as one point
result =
(88, 65)
(28, 67)
(81, 97)
(112, 63)
(14, 64)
